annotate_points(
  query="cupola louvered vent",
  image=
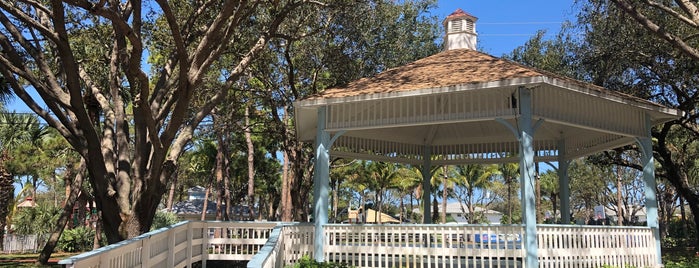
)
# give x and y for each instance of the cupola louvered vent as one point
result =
(455, 26)
(469, 26)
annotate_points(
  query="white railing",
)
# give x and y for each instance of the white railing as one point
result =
(287, 244)
(408, 245)
(180, 245)
(595, 246)
(445, 245)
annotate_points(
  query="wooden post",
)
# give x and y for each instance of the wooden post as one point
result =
(321, 184)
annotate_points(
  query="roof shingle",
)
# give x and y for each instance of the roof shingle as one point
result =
(448, 68)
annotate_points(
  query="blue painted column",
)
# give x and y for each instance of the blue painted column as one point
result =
(526, 170)
(321, 185)
(427, 185)
(649, 187)
(563, 182)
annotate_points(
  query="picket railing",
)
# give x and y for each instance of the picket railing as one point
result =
(443, 245)
(180, 245)
(406, 245)
(595, 246)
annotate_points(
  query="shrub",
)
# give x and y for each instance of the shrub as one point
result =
(307, 262)
(77, 239)
(163, 219)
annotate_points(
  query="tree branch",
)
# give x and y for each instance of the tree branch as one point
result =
(657, 30)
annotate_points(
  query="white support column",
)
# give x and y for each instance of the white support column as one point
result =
(646, 144)
(321, 185)
(526, 169)
(563, 182)
(427, 185)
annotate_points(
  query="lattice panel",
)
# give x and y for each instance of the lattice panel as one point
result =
(441, 154)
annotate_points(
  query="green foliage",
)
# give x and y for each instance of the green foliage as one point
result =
(679, 233)
(163, 219)
(516, 218)
(77, 239)
(37, 220)
(680, 258)
(307, 262)
(685, 262)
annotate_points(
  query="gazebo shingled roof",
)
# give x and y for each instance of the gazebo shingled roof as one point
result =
(451, 101)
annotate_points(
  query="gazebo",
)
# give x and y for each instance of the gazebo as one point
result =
(463, 106)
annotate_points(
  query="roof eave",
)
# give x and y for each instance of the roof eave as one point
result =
(321, 101)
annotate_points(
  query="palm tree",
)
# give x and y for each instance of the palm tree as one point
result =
(549, 187)
(385, 176)
(449, 180)
(15, 129)
(409, 183)
(509, 173)
(419, 191)
(472, 177)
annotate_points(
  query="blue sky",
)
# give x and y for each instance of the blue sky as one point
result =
(503, 25)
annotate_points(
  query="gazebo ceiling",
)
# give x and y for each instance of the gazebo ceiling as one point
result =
(456, 103)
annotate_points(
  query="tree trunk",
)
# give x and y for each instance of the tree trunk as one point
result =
(7, 193)
(508, 181)
(445, 193)
(251, 162)
(677, 177)
(335, 202)
(226, 181)
(435, 207)
(683, 218)
(171, 193)
(554, 204)
(97, 241)
(65, 215)
(619, 200)
(219, 174)
(286, 206)
(471, 210)
(539, 210)
(402, 208)
(206, 201)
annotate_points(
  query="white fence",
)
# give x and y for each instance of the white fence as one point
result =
(595, 246)
(180, 245)
(20, 243)
(425, 245)
(409, 245)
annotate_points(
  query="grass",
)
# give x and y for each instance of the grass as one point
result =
(29, 260)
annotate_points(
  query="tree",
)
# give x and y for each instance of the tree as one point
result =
(411, 179)
(619, 54)
(363, 39)
(550, 190)
(474, 177)
(509, 173)
(85, 60)
(383, 176)
(675, 21)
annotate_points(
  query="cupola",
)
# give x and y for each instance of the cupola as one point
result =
(460, 31)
